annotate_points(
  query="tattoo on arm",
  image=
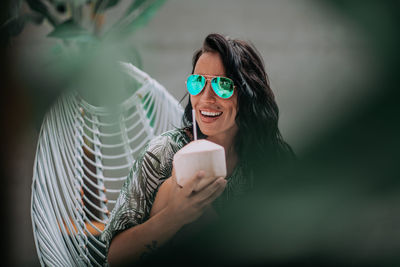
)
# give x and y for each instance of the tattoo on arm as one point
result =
(151, 248)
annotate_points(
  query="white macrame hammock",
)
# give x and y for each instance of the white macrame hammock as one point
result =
(83, 157)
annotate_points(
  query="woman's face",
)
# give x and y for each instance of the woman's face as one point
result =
(214, 115)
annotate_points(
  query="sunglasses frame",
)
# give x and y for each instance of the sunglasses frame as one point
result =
(209, 78)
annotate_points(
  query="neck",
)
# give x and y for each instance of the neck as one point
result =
(226, 141)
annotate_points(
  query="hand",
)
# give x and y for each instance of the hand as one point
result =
(188, 203)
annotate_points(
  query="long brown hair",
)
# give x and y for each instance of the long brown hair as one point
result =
(258, 137)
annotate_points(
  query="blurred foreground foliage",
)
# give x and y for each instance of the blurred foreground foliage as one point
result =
(80, 20)
(85, 40)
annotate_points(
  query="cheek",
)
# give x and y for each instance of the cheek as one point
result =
(231, 110)
(193, 100)
(235, 109)
(234, 104)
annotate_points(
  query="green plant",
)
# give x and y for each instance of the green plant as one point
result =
(86, 40)
(80, 20)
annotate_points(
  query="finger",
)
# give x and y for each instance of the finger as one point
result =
(193, 182)
(218, 185)
(221, 187)
(206, 181)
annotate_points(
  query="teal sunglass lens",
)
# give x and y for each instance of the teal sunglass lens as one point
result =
(195, 83)
(222, 86)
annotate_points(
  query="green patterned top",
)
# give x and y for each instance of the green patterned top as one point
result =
(149, 171)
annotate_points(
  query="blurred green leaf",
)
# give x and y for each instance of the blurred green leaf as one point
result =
(137, 15)
(102, 5)
(35, 18)
(144, 16)
(38, 6)
(135, 5)
(78, 3)
(14, 8)
(14, 26)
(69, 30)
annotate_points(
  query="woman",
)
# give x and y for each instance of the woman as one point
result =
(235, 108)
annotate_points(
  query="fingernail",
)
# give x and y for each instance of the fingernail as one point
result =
(201, 173)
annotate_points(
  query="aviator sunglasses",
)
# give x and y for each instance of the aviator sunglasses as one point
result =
(222, 86)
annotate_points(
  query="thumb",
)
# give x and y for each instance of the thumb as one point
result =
(193, 182)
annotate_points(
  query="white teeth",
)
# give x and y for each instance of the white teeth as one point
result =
(206, 113)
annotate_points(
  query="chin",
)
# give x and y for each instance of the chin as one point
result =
(205, 132)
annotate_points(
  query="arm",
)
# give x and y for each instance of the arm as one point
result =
(134, 243)
(184, 205)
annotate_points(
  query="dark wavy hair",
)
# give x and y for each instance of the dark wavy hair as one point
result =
(258, 138)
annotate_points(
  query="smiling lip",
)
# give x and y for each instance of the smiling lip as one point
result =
(208, 119)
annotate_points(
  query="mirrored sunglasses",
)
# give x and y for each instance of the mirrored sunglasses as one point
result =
(222, 86)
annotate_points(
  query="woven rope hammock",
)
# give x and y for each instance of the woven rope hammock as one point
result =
(83, 157)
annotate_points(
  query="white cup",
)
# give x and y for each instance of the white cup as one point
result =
(199, 155)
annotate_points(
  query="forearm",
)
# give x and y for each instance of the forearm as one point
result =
(132, 244)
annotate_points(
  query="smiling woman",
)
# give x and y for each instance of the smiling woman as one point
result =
(216, 114)
(235, 108)
(250, 122)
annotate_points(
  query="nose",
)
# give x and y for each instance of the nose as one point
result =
(208, 94)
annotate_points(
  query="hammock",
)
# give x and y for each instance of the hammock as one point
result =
(83, 157)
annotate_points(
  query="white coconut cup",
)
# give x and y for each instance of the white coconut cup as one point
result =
(196, 156)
